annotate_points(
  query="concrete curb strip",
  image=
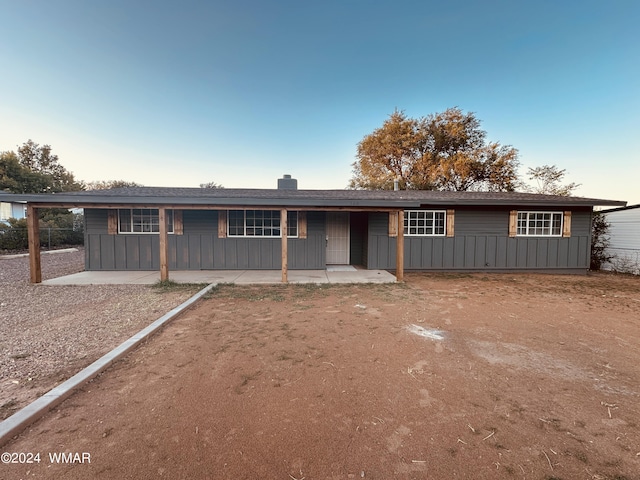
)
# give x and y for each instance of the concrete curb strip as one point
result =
(42, 252)
(32, 412)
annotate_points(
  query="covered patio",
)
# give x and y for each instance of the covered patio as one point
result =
(333, 274)
(185, 215)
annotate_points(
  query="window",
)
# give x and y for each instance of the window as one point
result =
(260, 223)
(424, 222)
(139, 220)
(547, 224)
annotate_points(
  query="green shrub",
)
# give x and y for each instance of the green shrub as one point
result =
(57, 228)
(599, 241)
(13, 235)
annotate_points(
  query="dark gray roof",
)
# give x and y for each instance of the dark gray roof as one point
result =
(307, 198)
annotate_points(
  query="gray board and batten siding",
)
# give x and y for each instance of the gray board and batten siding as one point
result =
(481, 242)
(199, 247)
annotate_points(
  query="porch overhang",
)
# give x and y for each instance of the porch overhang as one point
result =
(33, 230)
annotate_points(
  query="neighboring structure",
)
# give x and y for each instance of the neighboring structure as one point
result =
(624, 239)
(150, 228)
(12, 209)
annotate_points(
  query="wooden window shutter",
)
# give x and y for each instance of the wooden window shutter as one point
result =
(513, 223)
(566, 224)
(393, 224)
(178, 228)
(112, 222)
(302, 224)
(450, 222)
(222, 224)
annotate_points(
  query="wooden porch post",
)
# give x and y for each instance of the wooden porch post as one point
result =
(400, 247)
(164, 245)
(285, 255)
(33, 233)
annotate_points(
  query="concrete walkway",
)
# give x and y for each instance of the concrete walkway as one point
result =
(240, 277)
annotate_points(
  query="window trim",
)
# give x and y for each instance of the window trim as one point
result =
(244, 235)
(538, 235)
(433, 212)
(170, 226)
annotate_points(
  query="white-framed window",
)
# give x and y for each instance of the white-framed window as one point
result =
(5, 211)
(142, 220)
(539, 224)
(422, 223)
(259, 223)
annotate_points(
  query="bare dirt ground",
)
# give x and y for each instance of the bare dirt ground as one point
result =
(49, 333)
(526, 377)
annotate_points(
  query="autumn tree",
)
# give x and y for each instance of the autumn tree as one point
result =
(389, 153)
(444, 151)
(548, 180)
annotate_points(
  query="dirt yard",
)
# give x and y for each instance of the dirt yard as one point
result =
(48, 334)
(515, 376)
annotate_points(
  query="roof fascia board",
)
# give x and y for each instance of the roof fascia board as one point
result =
(215, 207)
(526, 203)
(136, 202)
(629, 207)
(225, 204)
(105, 201)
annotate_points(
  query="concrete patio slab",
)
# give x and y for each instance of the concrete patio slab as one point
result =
(106, 278)
(310, 276)
(341, 268)
(259, 276)
(204, 276)
(363, 276)
(239, 277)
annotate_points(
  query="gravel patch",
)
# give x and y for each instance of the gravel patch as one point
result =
(49, 333)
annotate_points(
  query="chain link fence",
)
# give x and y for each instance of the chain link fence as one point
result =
(16, 238)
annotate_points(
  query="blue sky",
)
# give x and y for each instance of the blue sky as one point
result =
(240, 92)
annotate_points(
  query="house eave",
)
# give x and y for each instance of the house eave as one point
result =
(628, 207)
(386, 200)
